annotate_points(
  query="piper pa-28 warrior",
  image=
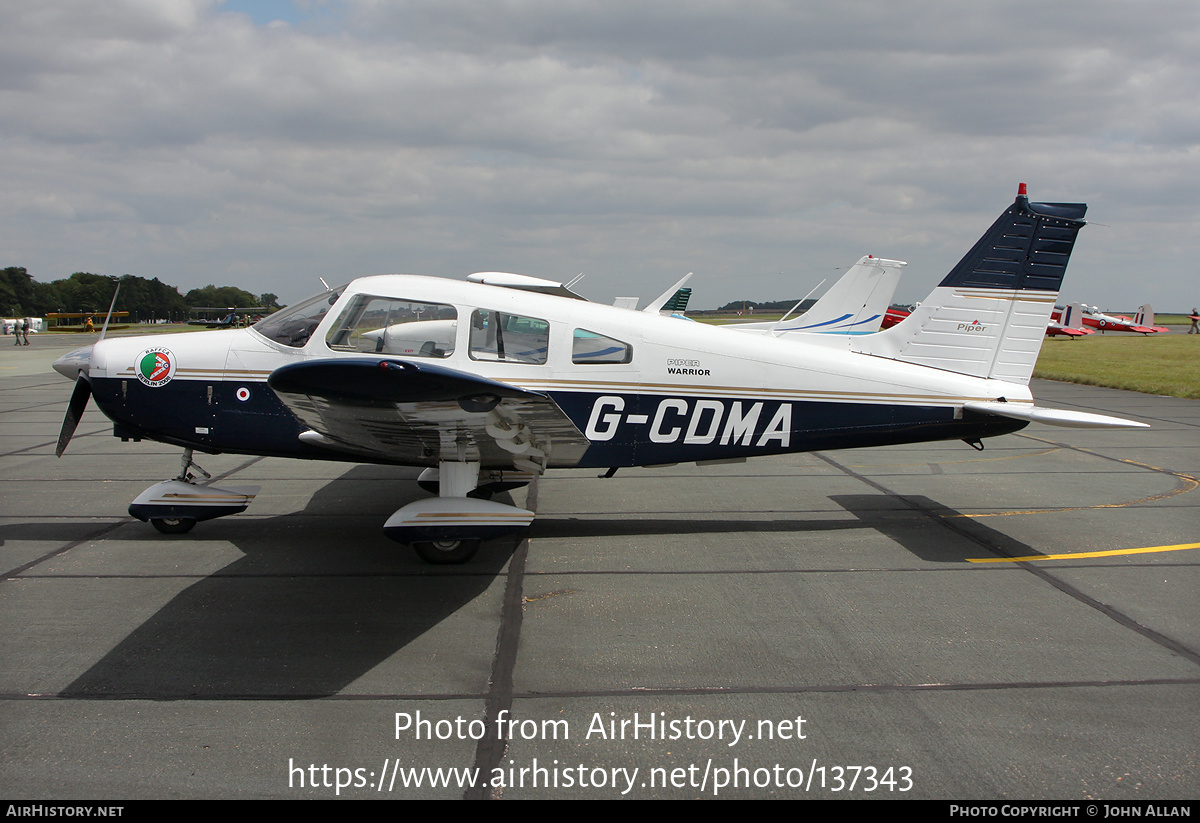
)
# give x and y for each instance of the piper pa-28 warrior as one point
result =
(490, 382)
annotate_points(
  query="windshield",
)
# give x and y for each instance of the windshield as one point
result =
(295, 324)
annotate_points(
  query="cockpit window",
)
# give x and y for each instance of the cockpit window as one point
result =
(510, 338)
(590, 347)
(295, 324)
(386, 325)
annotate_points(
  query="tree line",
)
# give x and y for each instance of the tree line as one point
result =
(770, 305)
(23, 296)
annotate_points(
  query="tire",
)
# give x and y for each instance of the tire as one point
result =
(446, 552)
(173, 525)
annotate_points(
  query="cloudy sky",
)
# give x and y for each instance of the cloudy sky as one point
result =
(763, 145)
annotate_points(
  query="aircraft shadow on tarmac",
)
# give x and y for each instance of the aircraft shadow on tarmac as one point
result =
(561, 528)
(931, 531)
(320, 598)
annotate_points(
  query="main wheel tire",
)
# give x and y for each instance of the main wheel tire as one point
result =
(173, 525)
(446, 552)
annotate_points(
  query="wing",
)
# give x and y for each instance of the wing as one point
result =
(419, 414)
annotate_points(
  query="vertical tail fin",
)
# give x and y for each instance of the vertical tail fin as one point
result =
(988, 317)
(1144, 316)
(670, 294)
(855, 304)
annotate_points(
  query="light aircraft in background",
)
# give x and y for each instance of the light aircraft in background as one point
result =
(855, 304)
(491, 382)
(229, 321)
(893, 316)
(1144, 319)
(1142, 322)
(1068, 323)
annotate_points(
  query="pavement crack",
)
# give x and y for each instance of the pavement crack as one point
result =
(489, 752)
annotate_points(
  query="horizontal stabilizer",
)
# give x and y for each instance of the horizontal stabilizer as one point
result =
(1052, 417)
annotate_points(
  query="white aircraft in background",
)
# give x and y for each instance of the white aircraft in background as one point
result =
(489, 383)
(855, 304)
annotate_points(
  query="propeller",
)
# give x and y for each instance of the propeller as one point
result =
(83, 386)
(79, 399)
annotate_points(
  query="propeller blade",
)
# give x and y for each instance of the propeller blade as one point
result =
(79, 399)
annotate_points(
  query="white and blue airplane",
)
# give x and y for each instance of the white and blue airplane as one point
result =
(855, 304)
(491, 382)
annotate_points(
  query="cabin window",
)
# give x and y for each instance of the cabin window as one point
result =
(384, 325)
(510, 338)
(590, 347)
(294, 325)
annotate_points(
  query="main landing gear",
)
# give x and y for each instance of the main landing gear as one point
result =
(175, 506)
(446, 552)
(449, 528)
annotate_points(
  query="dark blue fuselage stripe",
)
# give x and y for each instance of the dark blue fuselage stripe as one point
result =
(642, 429)
(625, 429)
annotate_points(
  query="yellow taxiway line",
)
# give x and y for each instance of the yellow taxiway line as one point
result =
(1080, 555)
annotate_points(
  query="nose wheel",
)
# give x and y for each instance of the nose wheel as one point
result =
(445, 552)
(173, 525)
(176, 506)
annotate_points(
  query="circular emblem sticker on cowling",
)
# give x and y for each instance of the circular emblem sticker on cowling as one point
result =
(155, 367)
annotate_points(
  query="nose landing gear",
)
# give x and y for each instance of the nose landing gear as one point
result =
(175, 506)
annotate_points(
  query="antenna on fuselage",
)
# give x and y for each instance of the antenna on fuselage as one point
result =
(107, 317)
